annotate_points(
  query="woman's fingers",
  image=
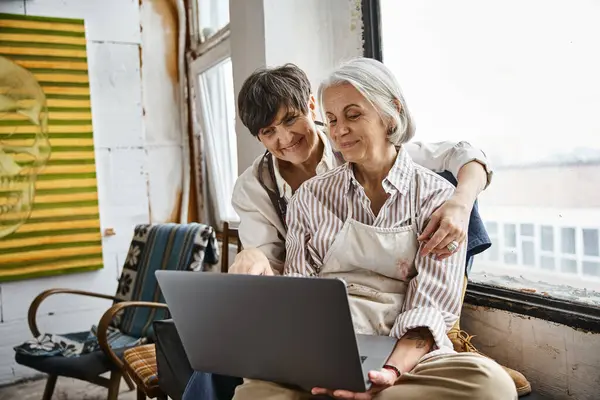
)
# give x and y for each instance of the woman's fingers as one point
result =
(379, 379)
(318, 390)
(382, 378)
(432, 243)
(442, 255)
(430, 227)
(454, 235)
(443, 245)
(445, 234)
(338, 394)
(344, 394)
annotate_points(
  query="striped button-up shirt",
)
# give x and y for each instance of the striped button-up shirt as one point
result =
(319, 209)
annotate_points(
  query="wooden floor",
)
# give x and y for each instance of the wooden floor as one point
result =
(66, 389)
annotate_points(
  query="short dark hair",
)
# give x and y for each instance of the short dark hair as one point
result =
(267, 90)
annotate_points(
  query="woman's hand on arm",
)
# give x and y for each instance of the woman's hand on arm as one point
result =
(471, 168)
(450, 222)
(408, 351)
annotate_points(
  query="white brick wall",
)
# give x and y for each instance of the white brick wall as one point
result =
(122, 161)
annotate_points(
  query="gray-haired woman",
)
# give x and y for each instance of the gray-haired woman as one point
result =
(380, 200)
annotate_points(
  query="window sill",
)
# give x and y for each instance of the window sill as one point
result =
(569, 313)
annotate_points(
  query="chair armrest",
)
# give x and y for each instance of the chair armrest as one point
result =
(109, 316)
(35, 304)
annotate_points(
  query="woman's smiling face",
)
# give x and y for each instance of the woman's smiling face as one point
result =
(291, 136)
(355, 126)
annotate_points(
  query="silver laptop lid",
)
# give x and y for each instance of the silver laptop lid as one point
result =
(290, 330)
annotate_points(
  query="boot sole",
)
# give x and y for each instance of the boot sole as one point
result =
(524, 390)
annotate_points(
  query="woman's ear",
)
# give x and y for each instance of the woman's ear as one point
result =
(312, 105)
(392, 127)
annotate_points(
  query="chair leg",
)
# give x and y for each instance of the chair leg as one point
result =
(50, 385)
(140, 394)
(128, 380)
(113, 385)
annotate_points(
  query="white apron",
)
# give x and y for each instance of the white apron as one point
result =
(376, 264)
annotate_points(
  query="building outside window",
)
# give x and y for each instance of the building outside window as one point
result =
(480, 72)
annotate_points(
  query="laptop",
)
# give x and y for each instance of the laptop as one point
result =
(293, 331)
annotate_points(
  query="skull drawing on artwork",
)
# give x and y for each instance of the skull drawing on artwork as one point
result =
(24, 144)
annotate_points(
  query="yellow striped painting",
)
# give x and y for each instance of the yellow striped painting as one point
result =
(49, 218)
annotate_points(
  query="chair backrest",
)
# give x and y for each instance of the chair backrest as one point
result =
(230, 235)
(160, 246)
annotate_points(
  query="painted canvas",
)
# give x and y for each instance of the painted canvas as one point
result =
(49, 218)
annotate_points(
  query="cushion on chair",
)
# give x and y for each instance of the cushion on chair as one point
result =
(140, 364)
(85, 367)
(160, 247)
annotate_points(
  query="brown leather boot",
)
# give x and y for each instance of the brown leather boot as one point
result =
(462, 344)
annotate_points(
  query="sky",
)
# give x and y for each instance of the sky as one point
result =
(519, 79)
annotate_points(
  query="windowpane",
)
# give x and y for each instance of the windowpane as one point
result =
(526, 229)
(528, 253)
(567, 240)
(590, 242)
(493, 253)
(492, 228)
(591, 268)
(217, 118)
(510, 235)
(510, 257)
(465, 77)
(547, 238)
(568, 265)
(547, 263)
(212, 16)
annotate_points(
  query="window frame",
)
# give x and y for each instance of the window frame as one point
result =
(211, 53)
(569, 313)
(205, 56)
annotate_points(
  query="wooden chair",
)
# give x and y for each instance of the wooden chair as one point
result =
(137, 303)
(229, 236)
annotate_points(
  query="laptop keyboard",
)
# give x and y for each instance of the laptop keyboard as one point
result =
(362, 359)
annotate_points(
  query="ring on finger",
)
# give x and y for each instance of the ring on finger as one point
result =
(452, 246)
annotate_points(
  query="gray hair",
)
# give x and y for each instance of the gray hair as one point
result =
(379, 86)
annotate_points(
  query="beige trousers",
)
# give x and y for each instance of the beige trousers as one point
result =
(445, 377)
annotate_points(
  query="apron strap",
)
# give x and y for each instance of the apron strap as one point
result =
(279, 203)
(349, 203)
(414, 200)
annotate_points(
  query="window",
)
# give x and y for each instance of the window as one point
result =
(213, 15)
(214, 111)
(520, 81)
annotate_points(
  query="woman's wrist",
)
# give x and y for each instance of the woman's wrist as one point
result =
(395, 370)
(464, 198)
(471, 180)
